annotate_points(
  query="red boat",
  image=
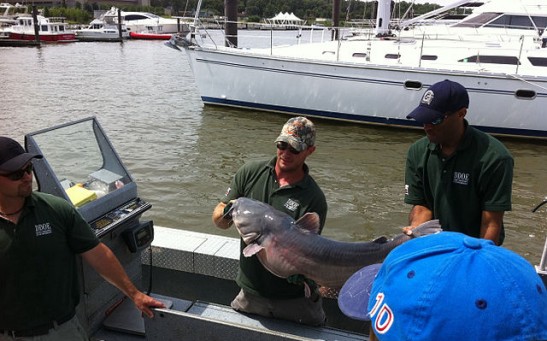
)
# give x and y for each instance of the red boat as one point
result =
(51, 30)
(150, 36)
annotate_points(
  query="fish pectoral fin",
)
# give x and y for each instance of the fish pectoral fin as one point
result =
(380, 240)
(252, 249)
(429, 227)
(309, 222)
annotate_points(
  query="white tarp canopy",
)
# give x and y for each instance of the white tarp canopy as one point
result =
(285, 19)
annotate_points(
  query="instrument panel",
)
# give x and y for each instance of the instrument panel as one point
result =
(131, 210)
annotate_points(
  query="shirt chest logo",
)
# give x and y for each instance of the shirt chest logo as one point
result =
(291, 205)
(461, 178)
(42, 229)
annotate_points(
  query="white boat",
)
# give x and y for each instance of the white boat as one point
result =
(8, 16)
(104, 28)
(381, 78)
(143, 22)
(50, 30)
(9, 11)
(134, 24)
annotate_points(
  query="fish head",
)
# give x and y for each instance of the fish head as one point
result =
(255, 220)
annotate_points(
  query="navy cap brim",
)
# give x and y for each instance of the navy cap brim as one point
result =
(424, 115)
(17, 163)
(355, 293)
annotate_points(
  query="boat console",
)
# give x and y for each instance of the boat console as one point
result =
(81, 165)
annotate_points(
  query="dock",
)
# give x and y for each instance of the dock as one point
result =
(18, 43)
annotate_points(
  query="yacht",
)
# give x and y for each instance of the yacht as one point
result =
(498, 54)
(50, 30)
(141, 22)
(8, 16)
(104, 28)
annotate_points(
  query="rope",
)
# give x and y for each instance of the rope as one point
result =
(526, 81)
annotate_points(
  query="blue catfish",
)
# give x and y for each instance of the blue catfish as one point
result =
(286, 247)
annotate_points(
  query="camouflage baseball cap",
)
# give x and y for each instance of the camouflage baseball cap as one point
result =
(299, 132)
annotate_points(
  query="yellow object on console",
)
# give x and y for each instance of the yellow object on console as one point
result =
(80, 196)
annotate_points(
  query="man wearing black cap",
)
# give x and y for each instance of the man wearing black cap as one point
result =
(457, 174)
(284, 183)
(39, 236)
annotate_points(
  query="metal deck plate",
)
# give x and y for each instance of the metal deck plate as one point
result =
(127, 318)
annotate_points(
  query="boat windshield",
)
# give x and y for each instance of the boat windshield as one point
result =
(479, 20)
(10, 10)
(78, 158)
(499, 20)
(129, 17)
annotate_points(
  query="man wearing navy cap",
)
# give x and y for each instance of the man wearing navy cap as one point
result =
(457, 174)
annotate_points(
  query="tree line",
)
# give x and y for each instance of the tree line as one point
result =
(304, 9)
(249, 10)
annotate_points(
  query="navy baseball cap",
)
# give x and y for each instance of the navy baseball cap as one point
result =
(440, 98)
(449, 286)
(12, 156)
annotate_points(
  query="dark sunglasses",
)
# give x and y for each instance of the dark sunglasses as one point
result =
(17, 175)
(438, 121)
(284, 145)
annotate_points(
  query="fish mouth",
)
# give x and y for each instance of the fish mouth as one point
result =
(243, 228)
(247, 219)
(248, 238)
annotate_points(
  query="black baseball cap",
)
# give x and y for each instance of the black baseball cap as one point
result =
(13, 156)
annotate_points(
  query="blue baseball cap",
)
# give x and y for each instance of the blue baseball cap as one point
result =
(440, 98)
(449, 286)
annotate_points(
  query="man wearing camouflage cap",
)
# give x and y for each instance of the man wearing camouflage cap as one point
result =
(284, 183)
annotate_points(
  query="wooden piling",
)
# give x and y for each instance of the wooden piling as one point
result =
(335, 18)
(36, 27)
(230, 29)
(120, 24)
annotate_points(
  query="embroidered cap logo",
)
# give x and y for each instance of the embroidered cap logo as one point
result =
(385, 318)
(428, 97)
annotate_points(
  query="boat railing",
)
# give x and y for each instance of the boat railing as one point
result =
(542, 267)
(265, 36)
(449, 32)
(210, 31)
(361, 29)
(56, 19)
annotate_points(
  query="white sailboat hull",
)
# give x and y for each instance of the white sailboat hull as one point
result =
(368, 93)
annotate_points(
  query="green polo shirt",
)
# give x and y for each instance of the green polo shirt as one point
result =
(477, 177)
(38, 278)
(257, 180)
